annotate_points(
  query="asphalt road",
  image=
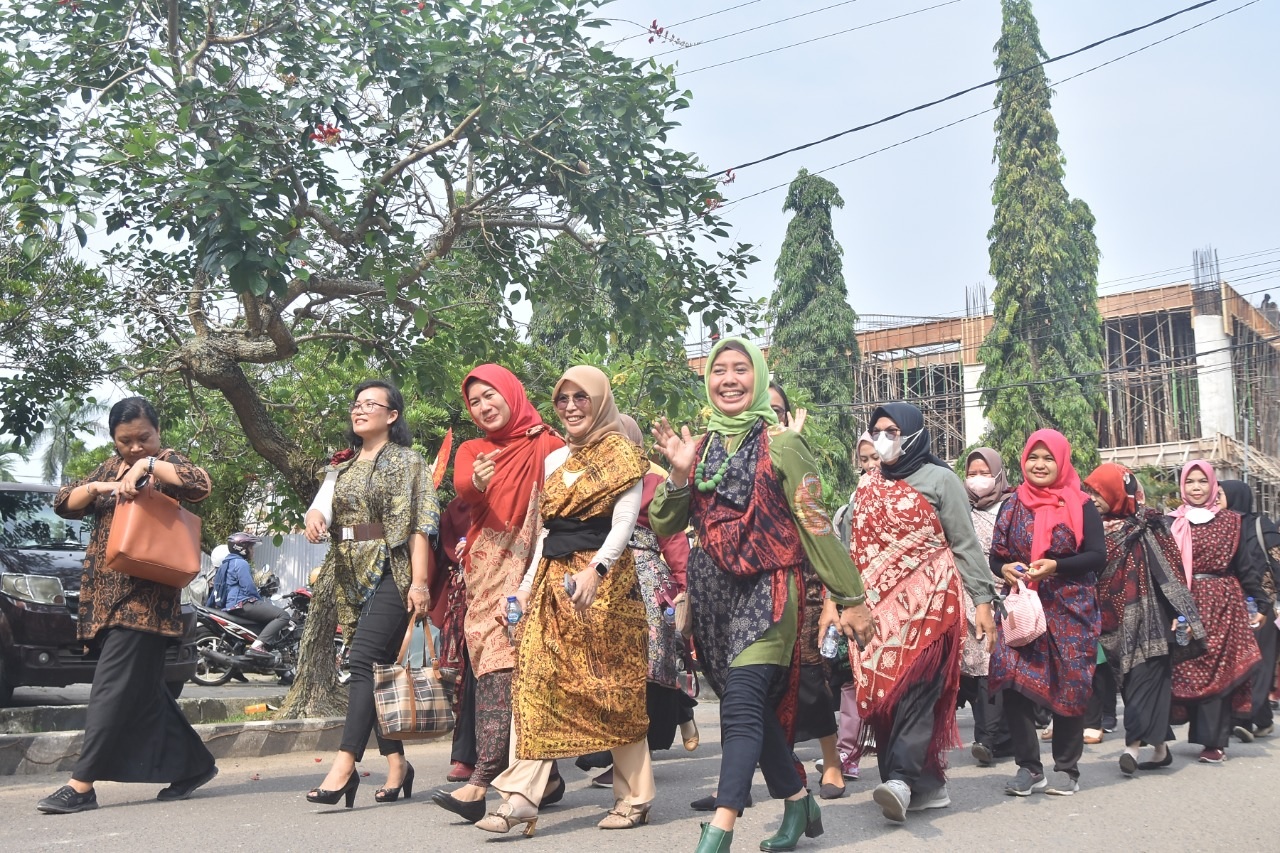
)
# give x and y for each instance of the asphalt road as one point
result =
(258, 804)
(78, 694)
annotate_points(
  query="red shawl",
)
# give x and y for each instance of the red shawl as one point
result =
(1061, 502)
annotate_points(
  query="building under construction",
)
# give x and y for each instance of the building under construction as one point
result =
(1192, 371)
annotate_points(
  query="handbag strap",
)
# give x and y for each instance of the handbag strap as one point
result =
(428, 648)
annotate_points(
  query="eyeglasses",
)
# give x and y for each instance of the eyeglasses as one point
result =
(581, 399)
(367, 406)
(891, 432)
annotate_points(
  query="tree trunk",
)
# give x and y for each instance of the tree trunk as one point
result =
(315, 691)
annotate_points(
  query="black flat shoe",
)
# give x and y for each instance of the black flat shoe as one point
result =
(1156, 765)
(470, 812)
(184, 788)
(1128, 764)
(329, 798)
(67, 800)
(390, 795)
(708, 804)
(555, 795)
(827, 791)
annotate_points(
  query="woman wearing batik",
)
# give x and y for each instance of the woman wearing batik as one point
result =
(1140, 601)
(1259, 537)
(500, 477)
(1049, 535)
(915, 546)
(1216, 685)
(751, 491)
(582, 659)
(987, 487)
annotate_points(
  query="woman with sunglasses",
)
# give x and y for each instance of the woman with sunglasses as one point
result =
(378, 507)
(582, 656)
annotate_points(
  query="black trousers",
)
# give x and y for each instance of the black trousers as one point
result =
(379, 634)
(1068, 736)
(1148, 698)
(272, 618)
(751, 734)
(1264, 677)
(134, 730)
(464, 727)
(1211, 721)
(904, 751)
(989, 727)
(1102, 701)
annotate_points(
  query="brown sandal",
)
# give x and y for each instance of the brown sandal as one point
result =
(622, 816)
(503, 820)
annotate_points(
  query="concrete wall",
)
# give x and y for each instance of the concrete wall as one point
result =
(1215, 380)
(975, 423)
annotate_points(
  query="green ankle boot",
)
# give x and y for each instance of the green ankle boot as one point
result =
(799, 817)
(714, 840)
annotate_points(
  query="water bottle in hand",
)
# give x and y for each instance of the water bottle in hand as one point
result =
(1182, 633)
(1251, 606)
(669, 616)
(513, 616)
(830, 643)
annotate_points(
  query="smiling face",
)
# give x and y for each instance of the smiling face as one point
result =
(1195, 488)
(867, 458)
(487, 407)
(732, 382)
(573, 405)
(1041, 468)
(136, 439)
(372, 415)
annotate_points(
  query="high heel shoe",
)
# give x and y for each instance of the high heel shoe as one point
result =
(623, 816)
(390, 795)
(799, 817)
(326, 797)
(470, 811)
(504, 819)
(555, 794)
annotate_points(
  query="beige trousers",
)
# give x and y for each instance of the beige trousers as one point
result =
(632, 775)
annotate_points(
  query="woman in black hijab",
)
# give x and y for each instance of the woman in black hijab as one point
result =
(1260, 540)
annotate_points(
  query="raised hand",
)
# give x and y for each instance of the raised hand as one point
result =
(680, 449)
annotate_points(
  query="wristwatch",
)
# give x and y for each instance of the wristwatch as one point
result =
(601, 569)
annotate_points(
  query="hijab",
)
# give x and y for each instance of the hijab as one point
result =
(735, 425)
(1240, 499)
(523, 414)
(1060, 502)
(605, 418)
(989, 496)
(1116, 485)
(631, 431)
(1186, 515)
(917, 449)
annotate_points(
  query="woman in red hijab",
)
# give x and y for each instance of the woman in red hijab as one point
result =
(500, 478)
(1050, 536)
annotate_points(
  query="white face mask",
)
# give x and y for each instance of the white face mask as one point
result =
(981, 483)
(888, 448)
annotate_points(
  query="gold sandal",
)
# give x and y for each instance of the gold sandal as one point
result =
(689, 733)
(622, 816)
(503, 820)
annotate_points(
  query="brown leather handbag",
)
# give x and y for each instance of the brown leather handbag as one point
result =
(152, 537)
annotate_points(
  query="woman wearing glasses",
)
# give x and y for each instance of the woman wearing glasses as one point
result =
(582, 658)
(379, 507)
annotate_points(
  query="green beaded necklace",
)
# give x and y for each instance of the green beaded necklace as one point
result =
(705, 483)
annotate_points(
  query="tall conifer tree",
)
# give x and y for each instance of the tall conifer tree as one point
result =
(1045, 350)
(814, 346)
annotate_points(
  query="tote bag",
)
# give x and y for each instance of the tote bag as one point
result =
(1024, 616)
(152, 537)
(412, 703)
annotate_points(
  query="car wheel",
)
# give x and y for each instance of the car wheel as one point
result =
(209, 673)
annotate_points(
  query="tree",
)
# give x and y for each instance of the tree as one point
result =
(66, 420)
(1044, 354)
(815, 345)
(8, 450)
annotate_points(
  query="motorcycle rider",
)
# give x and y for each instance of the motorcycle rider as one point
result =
(235, 591)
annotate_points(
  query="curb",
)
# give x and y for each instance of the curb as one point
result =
(47, 719)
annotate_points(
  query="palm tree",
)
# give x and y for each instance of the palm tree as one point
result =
(66, 419)
(8, 450)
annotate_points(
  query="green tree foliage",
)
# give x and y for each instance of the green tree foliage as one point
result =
(67, 419)
(815, 346)
(11, 453)
(349, 180)
(1044, 353)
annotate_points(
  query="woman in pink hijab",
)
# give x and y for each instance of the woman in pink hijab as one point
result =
(1212, 687)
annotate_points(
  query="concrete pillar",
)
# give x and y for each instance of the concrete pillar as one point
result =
(975, 424)
(1214, 377)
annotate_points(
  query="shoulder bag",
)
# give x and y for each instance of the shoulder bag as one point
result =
(153, 538)
(412, 702)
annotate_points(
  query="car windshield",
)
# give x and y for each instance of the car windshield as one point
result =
(29, 522)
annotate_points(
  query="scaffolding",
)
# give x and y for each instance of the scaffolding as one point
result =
(1150, 385)
(931, 378)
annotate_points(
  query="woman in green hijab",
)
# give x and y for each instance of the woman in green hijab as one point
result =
(751, 491)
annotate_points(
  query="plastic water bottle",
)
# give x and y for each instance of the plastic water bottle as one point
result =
(1251, 606)
(669, 616)
(830, 643)
(1182, 633)
(513, 616)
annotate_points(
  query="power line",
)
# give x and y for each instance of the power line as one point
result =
(752, 29)
(987, 84)
(682, 23)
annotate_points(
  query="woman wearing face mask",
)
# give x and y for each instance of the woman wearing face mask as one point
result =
(1259, 537)
(752, 493)
(987, 487)
(1140, 600)
(1214, 686)
(500, 477)
(1049, 535)
(914, 543)
(582, 657)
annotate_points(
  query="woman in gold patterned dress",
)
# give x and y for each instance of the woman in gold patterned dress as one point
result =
(379, 507)
(582, 661)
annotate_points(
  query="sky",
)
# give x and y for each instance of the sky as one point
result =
(1172, 148)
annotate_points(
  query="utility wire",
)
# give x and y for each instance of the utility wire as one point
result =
(987, 84)
(682, 23)
(752, 29)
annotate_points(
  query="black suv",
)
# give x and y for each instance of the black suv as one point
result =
(41, 557)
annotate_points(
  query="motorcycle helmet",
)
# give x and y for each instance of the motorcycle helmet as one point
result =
(242, 543)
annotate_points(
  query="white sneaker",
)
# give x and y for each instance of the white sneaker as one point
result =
(893, 797)
(935, 799)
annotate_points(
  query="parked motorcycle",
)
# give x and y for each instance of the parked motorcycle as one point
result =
(223, 639)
